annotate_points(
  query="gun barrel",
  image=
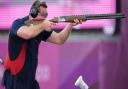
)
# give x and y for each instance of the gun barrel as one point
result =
(105, 16)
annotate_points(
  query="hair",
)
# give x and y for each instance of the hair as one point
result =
(39, 3)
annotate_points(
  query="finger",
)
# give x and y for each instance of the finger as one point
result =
(80, 21)
(74, 20)
(77, 21)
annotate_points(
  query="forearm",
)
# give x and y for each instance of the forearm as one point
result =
(64, 34)
(28, 32)
(35, 30)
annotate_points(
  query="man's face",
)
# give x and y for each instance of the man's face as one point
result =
(42, 14)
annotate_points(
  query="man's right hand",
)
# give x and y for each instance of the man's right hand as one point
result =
(47, 25)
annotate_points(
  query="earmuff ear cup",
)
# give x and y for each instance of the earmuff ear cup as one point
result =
(34, 12)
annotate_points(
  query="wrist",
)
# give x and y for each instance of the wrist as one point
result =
(70, 24)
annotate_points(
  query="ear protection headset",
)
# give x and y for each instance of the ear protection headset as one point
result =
(35, 9)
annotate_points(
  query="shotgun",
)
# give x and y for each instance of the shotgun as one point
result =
(71, 18)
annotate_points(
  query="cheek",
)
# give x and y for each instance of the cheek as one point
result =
(44, 11)
(39, 17)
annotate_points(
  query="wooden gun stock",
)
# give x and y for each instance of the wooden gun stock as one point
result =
(79, 17)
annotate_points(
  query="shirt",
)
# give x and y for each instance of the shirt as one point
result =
(22, 58)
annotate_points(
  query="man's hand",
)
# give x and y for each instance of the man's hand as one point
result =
(47, 25)
(76, 22)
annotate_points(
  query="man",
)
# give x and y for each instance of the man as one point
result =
(21, 61)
